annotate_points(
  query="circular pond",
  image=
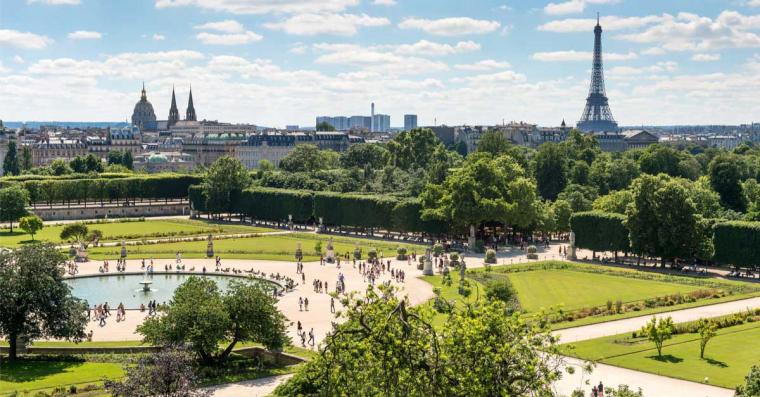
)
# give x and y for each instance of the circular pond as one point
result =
(128, 288)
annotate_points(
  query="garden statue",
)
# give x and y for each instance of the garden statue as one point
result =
(427, 269)
(210, 247)
(471, 239)
(321, 227)
(81, 253)
(290, 222)
(123, 250)
(571, 249)
(330, 257)
(299, 253)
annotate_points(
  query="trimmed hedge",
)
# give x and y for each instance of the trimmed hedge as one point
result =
(369, 211)
(158, 186)
(600, 231)
(737, 243)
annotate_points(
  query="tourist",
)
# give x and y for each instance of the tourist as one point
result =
(300, 304)
(179, 257)
(332, 305)
(303, 338)
(311, 337)
(306, 304)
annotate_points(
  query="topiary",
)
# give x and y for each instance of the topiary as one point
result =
(437, 250)
(401, 253)
(532, 252)
(490, 256)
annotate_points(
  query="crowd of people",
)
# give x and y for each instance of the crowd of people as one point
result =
(102, 311)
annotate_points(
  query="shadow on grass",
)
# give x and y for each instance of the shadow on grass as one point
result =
(23, 370)
(716, 363)
(667, 358)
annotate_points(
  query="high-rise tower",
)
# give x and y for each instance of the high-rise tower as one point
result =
(190, 114)
(597, 115)
(173, 112)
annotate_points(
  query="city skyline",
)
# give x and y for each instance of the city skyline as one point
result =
(673, 63)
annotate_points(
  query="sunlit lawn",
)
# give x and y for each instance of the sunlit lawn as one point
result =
(130, 230)
(279, 247)
(728, 356)
(32, 375)
(574, 290)
(451, 293)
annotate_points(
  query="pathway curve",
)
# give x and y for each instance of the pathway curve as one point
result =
(250, 388)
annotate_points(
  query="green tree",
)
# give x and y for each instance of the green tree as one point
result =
(94, 164)
(115, 156)
(658, 332)
(325, 126)
(623, 391)
(26, 159)
(551, 170)
(413, 149)
(579, 174)
(662, 220)
(78, 165)
(13, 202)
(474, 193)
(31, 224)
(493, 142)
(10, 163)
(580, 197)
(35, 302)
(707, 330)
(657, 159)
(726, 174)
(304, 158)
(751, 386)
(386, 348)
(223, 183)
(365, 154)
(127, 160)
(203, 317)
(74, 232)
(60, 167)
(616, 202)
(562, 212)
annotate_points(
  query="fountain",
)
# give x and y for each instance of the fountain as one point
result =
(145, 282)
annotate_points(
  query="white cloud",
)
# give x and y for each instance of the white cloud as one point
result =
(55, 2)
(3, 69)
(573, 6)
(228, 39)
(24, 40)
(262, 6)
(653, 51)
(85, 35)
(506, 76)
(299, 48)
(450, 26)
(486, 64)
(384, 2)
(609, 23)
(690, 32)
(572, 55)
(705, 57)
(618, 72)
(17, 59)
(376, 60)
(335, 24)
(425, 47)
(158, 37)
(227, 26)
(753, 3)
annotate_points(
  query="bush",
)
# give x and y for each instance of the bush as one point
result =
(532, 252)
(490, 256)
(500, 290)
(372, 253)
(437, 250)
(401, 253)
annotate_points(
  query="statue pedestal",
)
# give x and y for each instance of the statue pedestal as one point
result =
(427, 269)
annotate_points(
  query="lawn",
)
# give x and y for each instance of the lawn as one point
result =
(118, 230)
(34, 375)
(574, 290)
(728, 356)
(279, 247)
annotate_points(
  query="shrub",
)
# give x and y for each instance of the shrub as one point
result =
(401, 253)
(73, 389)
(479, 246)
(372, 253)
(500, 290)
(437, 249)
(532, 252)
(490, 256)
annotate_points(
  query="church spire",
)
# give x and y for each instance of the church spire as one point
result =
(143, 95)
(173, 111)
(190, 114)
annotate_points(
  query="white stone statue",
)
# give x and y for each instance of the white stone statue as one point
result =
(571, 249)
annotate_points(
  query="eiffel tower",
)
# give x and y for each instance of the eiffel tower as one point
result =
(597, 115)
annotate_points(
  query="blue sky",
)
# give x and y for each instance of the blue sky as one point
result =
(277, 62)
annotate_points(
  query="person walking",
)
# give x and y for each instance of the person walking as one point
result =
(311, 337)
(332, 305)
